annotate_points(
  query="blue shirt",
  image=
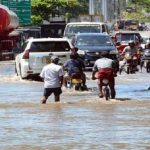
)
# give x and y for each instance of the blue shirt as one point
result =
(74, 66)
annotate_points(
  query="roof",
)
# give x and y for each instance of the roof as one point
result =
(126, 31)
(88, 23)
(47, 39)
(92, 34)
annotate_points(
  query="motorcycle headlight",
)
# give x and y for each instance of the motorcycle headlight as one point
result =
(81, 52)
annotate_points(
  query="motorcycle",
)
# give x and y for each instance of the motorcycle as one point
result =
(147, 65)
(104, 79)
(75, 82)
(105, 88)
(147, 60)
(130, 64)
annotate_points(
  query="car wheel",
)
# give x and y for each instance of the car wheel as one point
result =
(20, 72)
(16, 70)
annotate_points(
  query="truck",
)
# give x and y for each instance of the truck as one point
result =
(9, 21)
(54, 29)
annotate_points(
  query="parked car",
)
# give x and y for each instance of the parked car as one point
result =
(37, 52)
(90, 46)
(84, 27)
(145, 39)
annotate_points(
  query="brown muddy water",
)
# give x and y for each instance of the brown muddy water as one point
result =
(81, 121)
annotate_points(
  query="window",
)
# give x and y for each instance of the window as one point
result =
(50, 46)
(94, 41)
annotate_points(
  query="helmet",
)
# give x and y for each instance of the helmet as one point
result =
(131, 43)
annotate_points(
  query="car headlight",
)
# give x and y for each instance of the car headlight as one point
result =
(113, 51)
(81, 52)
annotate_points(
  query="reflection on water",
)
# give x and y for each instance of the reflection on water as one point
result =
(92, 124)
(81, 121)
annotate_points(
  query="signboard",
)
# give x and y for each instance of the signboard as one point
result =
(22, 8)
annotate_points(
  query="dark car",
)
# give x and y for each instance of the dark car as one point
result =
(90, 46)
(123, 38)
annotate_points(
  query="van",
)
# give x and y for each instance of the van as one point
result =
(84, 27)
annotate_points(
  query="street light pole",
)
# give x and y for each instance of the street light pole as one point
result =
(91, 8)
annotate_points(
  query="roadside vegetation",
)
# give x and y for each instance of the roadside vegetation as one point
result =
(43, 10)
(140, 10)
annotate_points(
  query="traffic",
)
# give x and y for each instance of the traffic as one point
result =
(74, 85)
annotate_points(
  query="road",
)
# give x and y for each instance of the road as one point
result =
(81, 121)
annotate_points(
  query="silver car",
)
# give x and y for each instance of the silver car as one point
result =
(36, 53)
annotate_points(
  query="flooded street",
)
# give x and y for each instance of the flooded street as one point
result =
(81, 121)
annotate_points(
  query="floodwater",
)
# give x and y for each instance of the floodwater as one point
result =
(81, 121)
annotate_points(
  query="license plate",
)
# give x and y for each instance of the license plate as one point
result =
(75, 81)
(46, 60)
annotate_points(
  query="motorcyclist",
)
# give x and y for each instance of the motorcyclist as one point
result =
(105, 66)
(130, 53)
(131, 48)
(146, 56)
(75, 66)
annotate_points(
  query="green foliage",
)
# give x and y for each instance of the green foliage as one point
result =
(141, 6)
(67, 8)
(36, 20)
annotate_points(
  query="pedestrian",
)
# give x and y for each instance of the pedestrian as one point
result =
(52, 74)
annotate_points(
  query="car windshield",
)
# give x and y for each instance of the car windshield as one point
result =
(50, 46)
(85, 28)
(145, 39)
(127, 37)
(93, 41)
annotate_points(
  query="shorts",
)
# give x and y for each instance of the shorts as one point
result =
(49, 91)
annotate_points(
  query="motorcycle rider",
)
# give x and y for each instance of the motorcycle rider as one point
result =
(129, 52)
(105, 66)
(75, 66)
(131, 48)
(146, 56)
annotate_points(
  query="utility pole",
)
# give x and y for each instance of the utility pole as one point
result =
(118, 8)
(91, 8)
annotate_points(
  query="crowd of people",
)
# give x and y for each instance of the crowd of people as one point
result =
(54, 75)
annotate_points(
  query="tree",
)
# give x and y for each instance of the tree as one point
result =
(68, 8)
(141, 7)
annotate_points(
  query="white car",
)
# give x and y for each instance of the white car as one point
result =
(36, 53)
(145, 40)
(73, 28)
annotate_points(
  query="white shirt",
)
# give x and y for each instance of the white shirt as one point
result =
(103, 63)
(51, 74)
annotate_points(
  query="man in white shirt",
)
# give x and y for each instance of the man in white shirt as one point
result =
(53, 79)
(105, 67)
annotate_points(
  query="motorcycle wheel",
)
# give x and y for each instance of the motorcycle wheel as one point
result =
(106, 93)
(77, 87)
(148, 67)
(128, 70)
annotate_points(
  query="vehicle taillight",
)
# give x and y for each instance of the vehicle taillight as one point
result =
(26, 55)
